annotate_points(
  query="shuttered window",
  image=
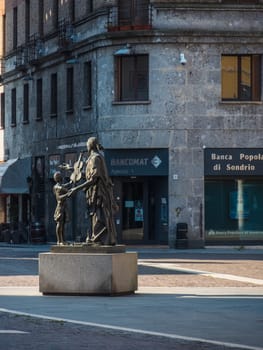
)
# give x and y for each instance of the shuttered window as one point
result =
(132, 75)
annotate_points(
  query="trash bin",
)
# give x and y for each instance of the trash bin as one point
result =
(38, 233)
(181, 235)
(181, 230)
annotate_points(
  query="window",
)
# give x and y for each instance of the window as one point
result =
(13, 107)
(87, 89)
(55, 14)
(89, 6)
(27, 21)
(39, 99)
(70, 89)
(4, 34)
(230, 210)
(241, 77)
(133, 12)
(26, 104)
(53, 95)
(2, 114)
(14, 27)
(132, 78)
(72, 10)
(40, 17)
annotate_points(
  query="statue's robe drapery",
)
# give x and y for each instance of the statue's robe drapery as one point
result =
(101, 204)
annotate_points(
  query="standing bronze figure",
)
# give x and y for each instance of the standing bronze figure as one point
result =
(99, 195)
(61, 215)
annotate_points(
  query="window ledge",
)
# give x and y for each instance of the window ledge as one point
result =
(53, 115)
(241, 102)
(39, 119)
(122, 28)
(87, 107)
(69, 111)
(131, 102)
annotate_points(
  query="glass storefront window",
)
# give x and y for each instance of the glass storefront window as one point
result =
(233, 210)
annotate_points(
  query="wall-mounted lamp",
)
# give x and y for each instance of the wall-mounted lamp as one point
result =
(126, 50)
(28, 77)
(183, 60)
(75, 37)
(72, 60)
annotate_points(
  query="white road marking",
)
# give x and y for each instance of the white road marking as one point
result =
(175, 267)
(12, 331)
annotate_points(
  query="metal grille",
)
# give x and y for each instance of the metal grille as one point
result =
(130, 15)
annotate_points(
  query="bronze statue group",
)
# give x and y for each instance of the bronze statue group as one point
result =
(98, 189)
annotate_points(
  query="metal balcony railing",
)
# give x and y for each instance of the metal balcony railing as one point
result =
(130, 16)
(29, 53)
(2, 65)
(22, 58)
(65, 34)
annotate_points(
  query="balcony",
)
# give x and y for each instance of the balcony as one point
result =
(65, 36)
(30, 53)
(2, 69)
(130, 17)
(2, 65)
(22, 58)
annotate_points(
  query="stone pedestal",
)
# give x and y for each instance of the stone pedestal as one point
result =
(78, 273)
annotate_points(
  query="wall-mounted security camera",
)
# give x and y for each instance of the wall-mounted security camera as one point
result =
(183, 60)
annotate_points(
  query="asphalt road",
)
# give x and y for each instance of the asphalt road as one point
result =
(155, 317)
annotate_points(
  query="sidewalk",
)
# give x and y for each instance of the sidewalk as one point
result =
(210, 267)
(164, 267)
(187, 299)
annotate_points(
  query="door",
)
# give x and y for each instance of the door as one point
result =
(158, 210)
(143, 209)
(133, 211)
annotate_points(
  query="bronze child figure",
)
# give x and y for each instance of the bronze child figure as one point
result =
(61, 215)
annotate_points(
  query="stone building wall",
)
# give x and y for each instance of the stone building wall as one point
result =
(2, 68)
(184, 113)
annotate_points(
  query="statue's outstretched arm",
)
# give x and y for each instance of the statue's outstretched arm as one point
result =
(84, 185)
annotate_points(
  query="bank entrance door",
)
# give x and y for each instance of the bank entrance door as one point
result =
(133, 211)
(143, 210)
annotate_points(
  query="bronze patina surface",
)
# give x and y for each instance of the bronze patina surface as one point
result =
(98, 189)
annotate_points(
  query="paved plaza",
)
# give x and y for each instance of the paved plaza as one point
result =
(210, 298)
